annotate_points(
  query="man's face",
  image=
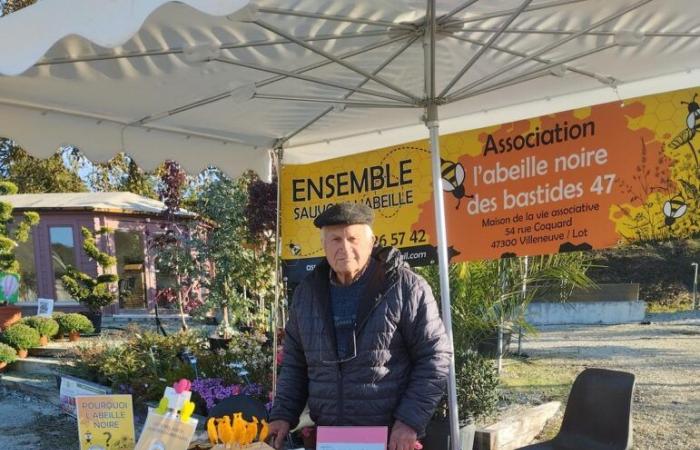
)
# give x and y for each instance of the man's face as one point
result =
(347, 248)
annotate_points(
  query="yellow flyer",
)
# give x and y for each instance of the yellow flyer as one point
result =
(105, 422)
(165, 433)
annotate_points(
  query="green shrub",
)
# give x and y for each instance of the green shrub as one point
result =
(7, 354)
(143, 365)
(21, 336)
(74, 322)
(477, 384)
(477, 387)
(46, 326)
(146, 362)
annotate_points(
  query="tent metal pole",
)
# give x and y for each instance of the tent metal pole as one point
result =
(277, 158)
(433, 126)
(431, 121)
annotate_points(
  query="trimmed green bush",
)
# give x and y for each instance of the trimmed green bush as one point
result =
(477, 383)
(74, 322)
(7, 354)
(46, 326)
(20, 336)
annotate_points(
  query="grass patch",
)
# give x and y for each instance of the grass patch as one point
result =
(538, 377)
(536, 381)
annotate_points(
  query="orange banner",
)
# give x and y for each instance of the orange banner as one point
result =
(575, 180)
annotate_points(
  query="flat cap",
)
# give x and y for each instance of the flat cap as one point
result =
(345, 214)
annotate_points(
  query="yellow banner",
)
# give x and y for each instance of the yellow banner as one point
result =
(575, 180)
(105, 422)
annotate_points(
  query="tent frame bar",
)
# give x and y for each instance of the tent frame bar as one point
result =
(456, 10)
(186, 134)
(339, 61)
(360, 20)
(585, 73)
(180, 50)
(537, 72)
(507, 12)
(345, 102)
(662, 34)
(379, 68)
(315, 80)
(456, 94)
(259, 84)
(492, 39)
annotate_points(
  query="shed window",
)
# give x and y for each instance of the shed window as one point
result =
(62, 256)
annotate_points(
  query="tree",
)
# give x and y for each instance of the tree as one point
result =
(36, 175)
(488, 295)
(137, 181)
(174, 245)
(94, 292)
(240, 269)
(261, 210)
(10, 6)
(9, 240)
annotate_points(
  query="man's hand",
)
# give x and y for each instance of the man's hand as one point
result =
(278, 429)
(402, 437)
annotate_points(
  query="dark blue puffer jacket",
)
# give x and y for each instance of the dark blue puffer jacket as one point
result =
(402, 361)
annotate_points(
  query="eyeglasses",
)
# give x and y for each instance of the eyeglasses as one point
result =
(348, 358)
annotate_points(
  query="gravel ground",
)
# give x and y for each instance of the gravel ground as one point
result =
(28, 423)
(665, 357)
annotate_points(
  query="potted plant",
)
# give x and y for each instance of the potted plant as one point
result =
(93, 292)
(55, 316)
(74, 324)
(22, 337)
(46, 326)
(9, 267)
(477, 396)
(8, 355)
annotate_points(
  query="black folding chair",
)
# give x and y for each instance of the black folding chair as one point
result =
(598, 414)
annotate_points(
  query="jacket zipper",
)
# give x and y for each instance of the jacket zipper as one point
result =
(341, 414)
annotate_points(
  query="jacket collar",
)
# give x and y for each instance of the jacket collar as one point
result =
(383, 276)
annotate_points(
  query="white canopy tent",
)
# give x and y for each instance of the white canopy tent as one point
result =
(230, 82)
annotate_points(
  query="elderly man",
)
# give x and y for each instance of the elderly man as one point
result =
(364, 343)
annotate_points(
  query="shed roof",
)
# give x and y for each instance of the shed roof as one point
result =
(114, 202)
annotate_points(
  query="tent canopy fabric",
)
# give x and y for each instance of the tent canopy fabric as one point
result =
(223, 82)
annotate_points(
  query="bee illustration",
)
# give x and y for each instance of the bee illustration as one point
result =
(674, 209)
(686, 136)
(294, 248)
(453, 180)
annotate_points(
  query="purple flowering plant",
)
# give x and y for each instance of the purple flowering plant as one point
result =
(213, 390)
